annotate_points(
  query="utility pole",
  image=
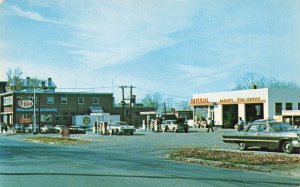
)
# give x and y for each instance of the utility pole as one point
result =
(123, 102)
(130, 106)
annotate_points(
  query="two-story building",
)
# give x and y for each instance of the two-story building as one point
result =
(51, 107)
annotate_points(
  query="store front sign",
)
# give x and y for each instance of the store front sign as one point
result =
(199, 101)
(8, 109)
(25, 120)
(241, 100)
(25, 103)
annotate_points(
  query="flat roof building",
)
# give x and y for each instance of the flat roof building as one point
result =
(226, 107)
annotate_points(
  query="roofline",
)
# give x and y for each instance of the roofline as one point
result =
(50, 92)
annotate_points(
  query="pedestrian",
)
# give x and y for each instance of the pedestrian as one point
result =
(241, 124)
(210, 125)
(198, 123)
(5, 128)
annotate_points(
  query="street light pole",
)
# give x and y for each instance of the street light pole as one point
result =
(34, 115)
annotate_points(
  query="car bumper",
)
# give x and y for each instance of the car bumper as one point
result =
(296, 143)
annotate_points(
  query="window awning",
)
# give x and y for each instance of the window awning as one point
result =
(96, 109)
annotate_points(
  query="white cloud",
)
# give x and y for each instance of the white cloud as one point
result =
(15, 10)
(115, 32)
(203, 76)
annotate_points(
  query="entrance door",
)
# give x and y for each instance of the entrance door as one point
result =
(254, 111)
(230, 116)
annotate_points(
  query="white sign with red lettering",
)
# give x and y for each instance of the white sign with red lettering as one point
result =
(25, 103)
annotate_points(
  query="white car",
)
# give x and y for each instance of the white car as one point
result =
(120, 127)
(175, 125)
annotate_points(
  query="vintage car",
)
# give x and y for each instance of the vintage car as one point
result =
(266, 134)
(175, 125)
(49, 129)
(76, 130)
(120, 127)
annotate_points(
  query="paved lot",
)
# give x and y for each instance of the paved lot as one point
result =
(138, 160)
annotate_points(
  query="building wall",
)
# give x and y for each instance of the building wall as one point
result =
(242, 97)
(56, 112)
(283, 96)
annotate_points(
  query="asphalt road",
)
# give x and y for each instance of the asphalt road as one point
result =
(138, 160)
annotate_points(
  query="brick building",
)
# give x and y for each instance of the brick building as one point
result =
(52, 108)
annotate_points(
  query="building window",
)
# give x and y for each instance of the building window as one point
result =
(289, 106)
(95, 101)
(278, 108)
(63, 100)
(46, 118)
(298, 106)
(7, 101)
(50, 100)
(80, 100)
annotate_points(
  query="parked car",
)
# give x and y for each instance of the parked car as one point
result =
(59, 128)
(266, 134)
(30, 127)
(120, 127)
(18, 128)
(48, 129)
(191, 123)
(175, 125)
(76, 130)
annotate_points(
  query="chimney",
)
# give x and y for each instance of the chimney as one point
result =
(27, 81)
(43, 84)
(49, 82)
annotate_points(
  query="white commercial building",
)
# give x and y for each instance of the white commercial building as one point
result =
(226, 107)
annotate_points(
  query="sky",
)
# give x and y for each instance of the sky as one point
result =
(174, 47)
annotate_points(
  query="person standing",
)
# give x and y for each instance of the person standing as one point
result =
(241, 124)
(210, 125)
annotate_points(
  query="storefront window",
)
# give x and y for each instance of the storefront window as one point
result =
(278, 108)
(201, 112)
(46, 118)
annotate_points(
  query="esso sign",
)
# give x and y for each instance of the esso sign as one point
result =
(25, 103)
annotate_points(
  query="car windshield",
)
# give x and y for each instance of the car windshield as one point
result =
(277, 127)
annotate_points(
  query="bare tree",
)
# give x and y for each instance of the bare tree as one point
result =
(14, 79)
(248, 80)
(183, 105)
(152, 100)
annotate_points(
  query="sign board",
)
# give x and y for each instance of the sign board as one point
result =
(25, 103)
(25, 120)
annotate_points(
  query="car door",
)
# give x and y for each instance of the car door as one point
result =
(250, 136)
(264, 137)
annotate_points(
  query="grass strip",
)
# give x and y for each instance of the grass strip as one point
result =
(236, 157)
(55, 140)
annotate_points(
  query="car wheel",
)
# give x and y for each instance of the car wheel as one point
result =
(186, 130)
(165, 129)
(287, 147)
(243, 146)
(131, 133)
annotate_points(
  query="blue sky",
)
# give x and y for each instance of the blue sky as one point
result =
(174, 47)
